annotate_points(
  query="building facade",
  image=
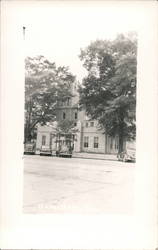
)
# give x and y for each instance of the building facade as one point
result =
(88, 136)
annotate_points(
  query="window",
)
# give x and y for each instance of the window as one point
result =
(116, 143)
(51, 140)
(86, 124)
(43, 140)
(65, 102)
(86, 139)
(68, 101)
(75, 115)
(96, 142)
(64, 115)
(75, 124)
(92, 124)
(111, 143)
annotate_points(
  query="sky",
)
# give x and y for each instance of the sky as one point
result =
(58, 30)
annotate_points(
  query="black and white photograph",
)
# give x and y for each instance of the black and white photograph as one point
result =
(78, 124)
(80, 112)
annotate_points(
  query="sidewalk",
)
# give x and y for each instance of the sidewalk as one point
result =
(84, 155)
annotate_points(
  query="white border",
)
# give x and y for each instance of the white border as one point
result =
(77, 231)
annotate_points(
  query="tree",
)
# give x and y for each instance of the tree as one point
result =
(66, 127)
(65, 130)
(109, 91)
(45, 86)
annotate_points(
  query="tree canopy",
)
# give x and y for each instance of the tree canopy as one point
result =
(108, 92)
(45, 85)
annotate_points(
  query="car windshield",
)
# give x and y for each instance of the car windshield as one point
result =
(45, 147)
(29, 145)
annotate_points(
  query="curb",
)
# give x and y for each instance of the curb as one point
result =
(88, 158)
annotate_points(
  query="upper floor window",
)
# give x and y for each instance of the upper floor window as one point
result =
(68, 101)
(65, 102)
(86, 124)
(75, 115)
(96, 142)
(64, 115)
(92, 124)
(43, 140)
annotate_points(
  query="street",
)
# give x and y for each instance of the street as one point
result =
(71, 185)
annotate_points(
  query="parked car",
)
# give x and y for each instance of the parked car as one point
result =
(64, 151)
(46, 150)
(128, 155)
(29, 148)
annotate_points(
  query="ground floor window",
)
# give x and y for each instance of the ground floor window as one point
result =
(111, 143)
(86, 140)
(43, 140)
(96, 142)
(51, 140)
(116, 142)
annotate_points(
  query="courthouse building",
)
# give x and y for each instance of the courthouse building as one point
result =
(88, 138)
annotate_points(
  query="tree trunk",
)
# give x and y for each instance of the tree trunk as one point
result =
(28, 135)
(120, 143)
(121, 132)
